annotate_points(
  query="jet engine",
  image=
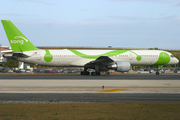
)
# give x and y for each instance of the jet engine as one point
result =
(120, 66)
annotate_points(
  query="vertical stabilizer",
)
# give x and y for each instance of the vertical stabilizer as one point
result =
(17, 39)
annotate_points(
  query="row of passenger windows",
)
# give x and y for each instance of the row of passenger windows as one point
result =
(98, 55)
(84, 55)
(148, 55)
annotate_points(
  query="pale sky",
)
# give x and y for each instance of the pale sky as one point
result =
(95, 23)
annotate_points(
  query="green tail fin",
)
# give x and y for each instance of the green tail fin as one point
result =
(17, 39)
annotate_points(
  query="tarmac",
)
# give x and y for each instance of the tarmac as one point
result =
(88, 86)
(76, 88)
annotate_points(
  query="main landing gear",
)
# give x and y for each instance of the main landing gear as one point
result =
(88, 73)
(85, 72)
(95, 73)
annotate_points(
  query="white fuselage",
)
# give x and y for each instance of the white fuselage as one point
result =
(68, 58)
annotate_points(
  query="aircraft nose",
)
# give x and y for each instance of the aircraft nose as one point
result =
(177, 61)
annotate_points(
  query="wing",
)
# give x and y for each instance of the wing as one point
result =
(101, 61)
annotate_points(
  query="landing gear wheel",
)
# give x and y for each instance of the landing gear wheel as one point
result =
(87, 73)
(95, 73)
(107, 73)
(84, 73)
(157, 73)
(98, 73)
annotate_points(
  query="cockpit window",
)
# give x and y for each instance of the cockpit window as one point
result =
(172, 56)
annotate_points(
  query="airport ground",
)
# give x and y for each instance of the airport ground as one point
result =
(124, 96)
(76, 88)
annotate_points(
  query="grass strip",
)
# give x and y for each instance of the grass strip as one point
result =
(91, 111)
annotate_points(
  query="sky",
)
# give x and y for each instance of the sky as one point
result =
(95, 23)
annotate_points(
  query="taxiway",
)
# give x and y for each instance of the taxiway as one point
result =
(75, 88)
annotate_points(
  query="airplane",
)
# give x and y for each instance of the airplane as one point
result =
(99, 60)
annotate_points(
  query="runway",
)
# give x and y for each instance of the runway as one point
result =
(88, 86)
(103, 77)
(85, 98)
(75, 88)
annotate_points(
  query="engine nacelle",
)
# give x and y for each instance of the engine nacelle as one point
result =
(120, 66)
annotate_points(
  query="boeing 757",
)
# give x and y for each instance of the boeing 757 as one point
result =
(99, 60)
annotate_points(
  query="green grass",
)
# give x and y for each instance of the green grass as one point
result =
(91, 111)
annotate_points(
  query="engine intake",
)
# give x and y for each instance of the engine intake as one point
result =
(120, 66)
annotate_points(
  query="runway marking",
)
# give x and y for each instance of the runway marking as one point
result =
(113, 90)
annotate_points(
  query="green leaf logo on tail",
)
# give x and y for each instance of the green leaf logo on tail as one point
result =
(17, 39)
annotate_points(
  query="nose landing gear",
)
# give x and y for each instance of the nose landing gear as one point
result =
(157, 73)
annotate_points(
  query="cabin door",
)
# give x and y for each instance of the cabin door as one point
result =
(38, 56)
(130, 56)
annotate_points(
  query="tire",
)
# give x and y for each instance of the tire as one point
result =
(98, 73)
(157, 73)
(84, 73)
(93, 73)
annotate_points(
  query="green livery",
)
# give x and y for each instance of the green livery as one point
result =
(111, 53)
(99, 60)
(17, 39)
(48, 56)
(164, 58)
